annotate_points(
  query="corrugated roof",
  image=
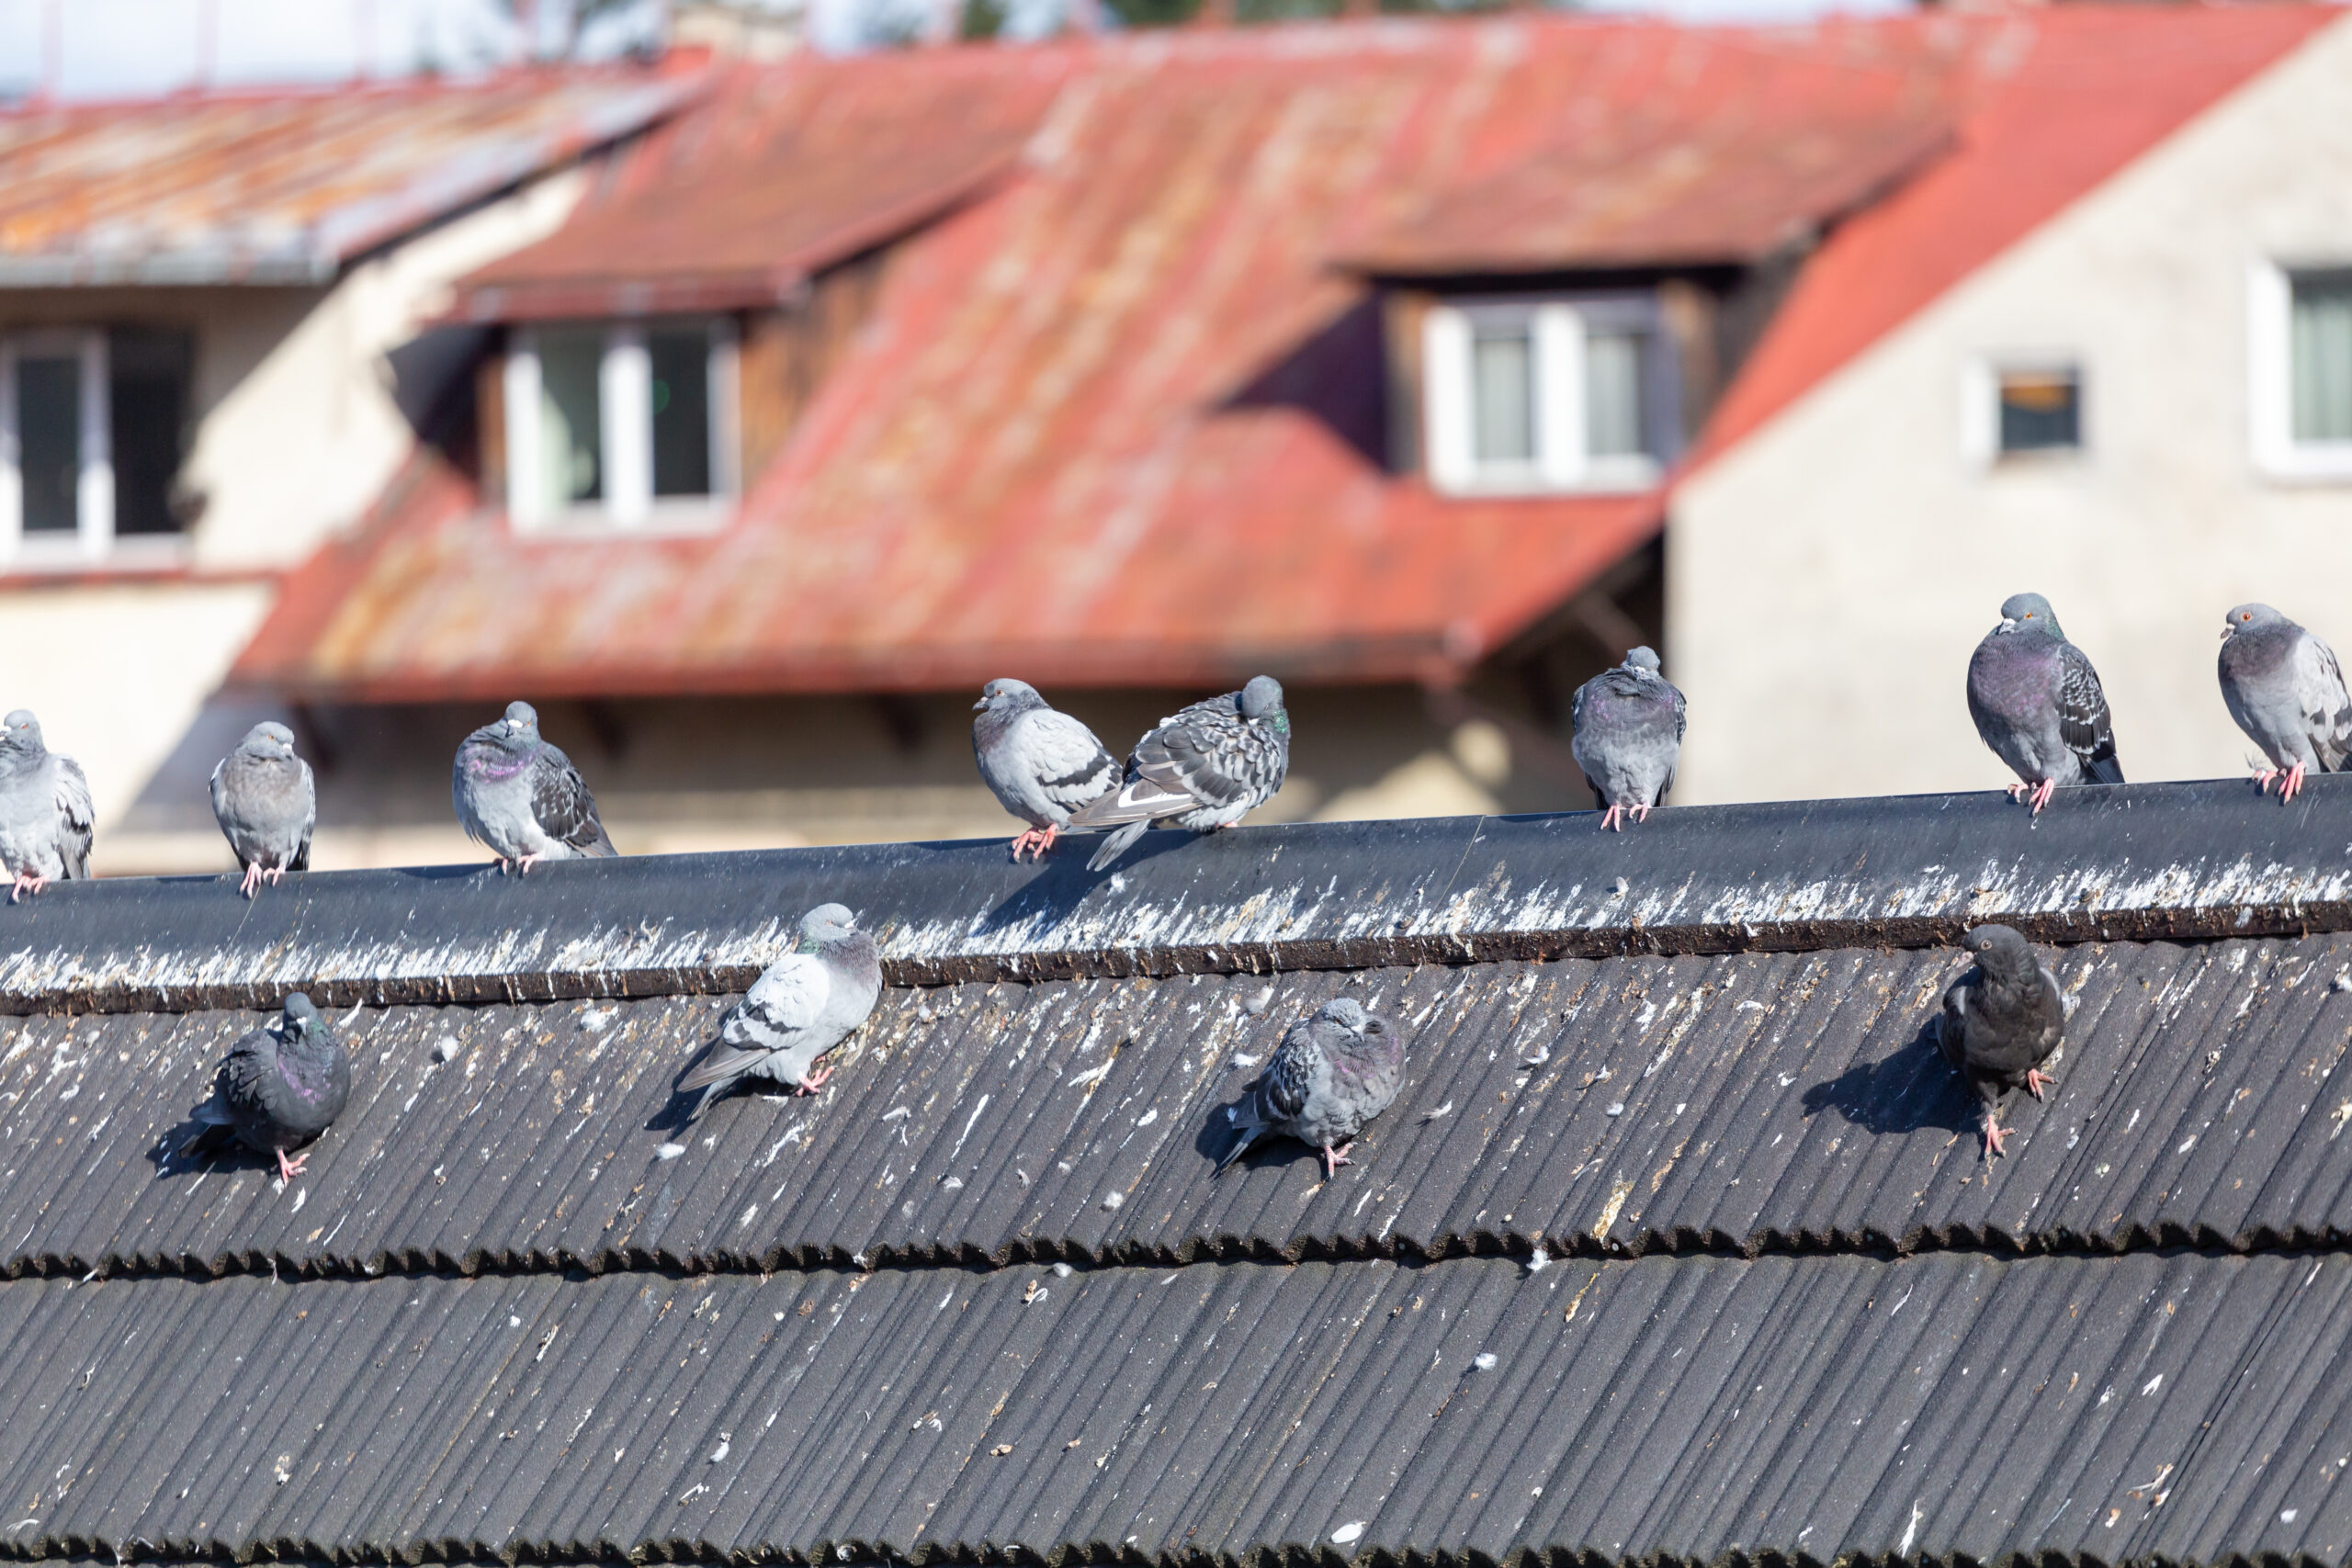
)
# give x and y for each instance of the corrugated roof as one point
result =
(284, 187)
(1789, 1314)
(2181, 1409)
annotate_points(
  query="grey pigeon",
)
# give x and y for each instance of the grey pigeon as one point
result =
(1041, 763)
(523, 797)
(2037, 703)
(807, 1002)
(281, 1085)
(46, 821)
(2001, 1022)
(1205, 768)
(1332, 1073)
(265, 804)
(1628, 726)
(2283, 686)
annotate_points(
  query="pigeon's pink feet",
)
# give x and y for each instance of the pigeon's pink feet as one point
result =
(276, 873)
(813, 1082)
(523, 867)
(1993, 1133)
(2042, 793)
(27, 882)
(2262, 780)
(288, 1169)
(252, 882)
(1029, 839)
(2036, 1080)
(2016, 791)
(1613, 819)
(2294, 782)
(1641, 814)
(1334, 1158)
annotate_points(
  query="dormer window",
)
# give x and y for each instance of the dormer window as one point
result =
(1532, 395)
(620, 425)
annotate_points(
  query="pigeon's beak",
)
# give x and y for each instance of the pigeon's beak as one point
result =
(2009, 624)
(981, 704)
(2228, 631)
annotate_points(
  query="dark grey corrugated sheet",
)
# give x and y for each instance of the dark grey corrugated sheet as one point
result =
(2167, 861)
(2178, 1408)
(1762, 1102)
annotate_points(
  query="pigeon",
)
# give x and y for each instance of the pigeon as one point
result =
(1041, 763)
(46, 820)
(1332, 1073)
(2001, 1022)
(807, 1002)
(1628, 726)
(2283, 686)
(265, 804)
(1205, 768)
(2038, 704)
(281, 1085)
(523, 797)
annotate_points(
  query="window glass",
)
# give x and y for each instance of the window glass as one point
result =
(1502, 393)
(681, 360)
(1612, 394)
(570, 414)
(147, 396)
(49, 440)
(2042, 410)
(2320, 350)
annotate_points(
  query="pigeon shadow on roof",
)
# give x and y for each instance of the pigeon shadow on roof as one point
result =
(1909, 1091)
(1044, 903)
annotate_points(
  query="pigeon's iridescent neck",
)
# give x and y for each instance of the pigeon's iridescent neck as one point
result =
(489, 765)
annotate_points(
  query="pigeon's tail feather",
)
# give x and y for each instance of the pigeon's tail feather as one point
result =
(1247, 1136)
(210, 1136)
(1138, 800)
(2104, 770)
(723, 1064)
(1117, 844)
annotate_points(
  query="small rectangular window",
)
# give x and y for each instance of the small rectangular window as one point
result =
(681, 403)
(147, 393)
(2319, 352)
(1502, 392)
(570, 414)
(2041, 410)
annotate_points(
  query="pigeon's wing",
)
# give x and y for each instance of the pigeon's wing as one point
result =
(1681, 723)
(301, 860)
(565, 809)
(781, 1006)
(2320, 693)
(1070, 765)
(76, 821)
(238, 1095)
(1280, 1093)
(1202, 760)
(1951, 1029)
(2083, 722)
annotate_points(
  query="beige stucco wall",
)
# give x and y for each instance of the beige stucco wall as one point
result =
(717, 773)
(1829, 577)
(299, 425)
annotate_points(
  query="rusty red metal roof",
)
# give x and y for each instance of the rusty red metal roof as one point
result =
(285, 186)
(1116, 417)
(784, 174)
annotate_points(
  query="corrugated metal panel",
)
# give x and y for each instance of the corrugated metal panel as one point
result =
(284, 187)
(2168, 861)
(1773, 1102)
(2178, 1409)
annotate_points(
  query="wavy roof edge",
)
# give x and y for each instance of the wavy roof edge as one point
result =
(2166, 862)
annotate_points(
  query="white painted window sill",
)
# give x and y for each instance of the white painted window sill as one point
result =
(673, 518)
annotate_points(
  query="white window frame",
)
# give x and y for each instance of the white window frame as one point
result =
(1980, 408)
(624, 436)
(93, 536)
(1562, 464)
(2270, 391)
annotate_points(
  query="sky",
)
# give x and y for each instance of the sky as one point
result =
(101, 48)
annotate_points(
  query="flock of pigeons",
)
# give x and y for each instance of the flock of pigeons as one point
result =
(2035, 698)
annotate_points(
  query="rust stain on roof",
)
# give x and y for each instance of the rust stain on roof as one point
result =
(284, 187)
